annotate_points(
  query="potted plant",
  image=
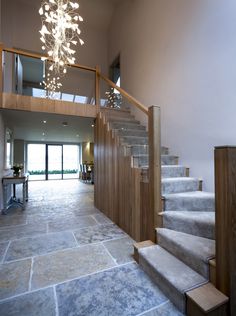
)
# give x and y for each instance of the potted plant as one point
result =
(16, 169)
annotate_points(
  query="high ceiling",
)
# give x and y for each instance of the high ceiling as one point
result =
(96, 13)
(30, 127)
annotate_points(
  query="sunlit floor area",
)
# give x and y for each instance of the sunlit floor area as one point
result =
(61, 256)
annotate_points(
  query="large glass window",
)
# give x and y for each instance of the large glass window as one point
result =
(51, 162)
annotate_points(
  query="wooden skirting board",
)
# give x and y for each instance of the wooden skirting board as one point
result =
(26, 103)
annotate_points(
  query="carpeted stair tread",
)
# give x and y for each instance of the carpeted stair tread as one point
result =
(200, 224)
(190, 201)
(192, 250)
(172, 276)
(179, 184)
(173, 171)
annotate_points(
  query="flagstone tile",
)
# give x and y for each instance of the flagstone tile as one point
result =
(98, 233)
(71, 223)
(121, 249)
(167, 309)
(3, 247)
(28, 230)
(40, 303)
(14, 278)
(102, 219)
(12, 220)
(121, 291)
(33, 246)
(69, 264)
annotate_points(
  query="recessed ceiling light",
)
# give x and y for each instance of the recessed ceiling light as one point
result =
(44, 122)
(92, 125)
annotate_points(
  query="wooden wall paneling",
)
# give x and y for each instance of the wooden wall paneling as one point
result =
(154, 134)
(26, 103)
(1, 73)
(136, 205)
(117, 184)
(115, 200)
(225, 195)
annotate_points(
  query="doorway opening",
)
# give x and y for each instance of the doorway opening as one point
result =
(53, 161)
(115, 71)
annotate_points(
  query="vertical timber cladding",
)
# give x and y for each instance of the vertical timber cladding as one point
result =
(225, 190)
(117, 184)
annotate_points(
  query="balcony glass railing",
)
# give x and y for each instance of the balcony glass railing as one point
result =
(31, 77)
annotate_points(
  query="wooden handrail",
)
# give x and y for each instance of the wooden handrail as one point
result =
(38, 56)
(95, 70)
(139, 105)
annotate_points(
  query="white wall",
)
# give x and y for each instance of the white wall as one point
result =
(21, 24)
(181, 55)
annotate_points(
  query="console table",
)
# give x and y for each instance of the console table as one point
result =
(6, 182)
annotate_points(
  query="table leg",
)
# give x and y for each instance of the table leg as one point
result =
(4, 211)
(14, 191)
(27, 190)
(24, 195)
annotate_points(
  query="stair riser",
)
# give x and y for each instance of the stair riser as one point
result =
(139, 150)
(128, 126)
(140, 162)
(134, 141)
(169, 160)
(190, 204)
(143, 150)
(118, 114)
(172, 172)
(176, 297)
(169, 173)
(205, 230)
(129, 120)
(180, 186)
(192, 261)
(133, 132)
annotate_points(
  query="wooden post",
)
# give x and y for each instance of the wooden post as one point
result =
(1, 73)
(154, 133)
(97, 88)
(225, 190)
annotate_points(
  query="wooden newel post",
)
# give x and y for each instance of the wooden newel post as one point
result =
(97, 88)
(154, 133)
(225, 190)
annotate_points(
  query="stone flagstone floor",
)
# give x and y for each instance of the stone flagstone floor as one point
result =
(61, 257)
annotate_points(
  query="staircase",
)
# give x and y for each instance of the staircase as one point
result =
(180, 260)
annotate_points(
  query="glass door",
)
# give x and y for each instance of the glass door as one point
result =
(54, 162)
(70, 161)
(36, 161)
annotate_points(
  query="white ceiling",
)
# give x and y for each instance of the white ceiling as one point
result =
(30, 127)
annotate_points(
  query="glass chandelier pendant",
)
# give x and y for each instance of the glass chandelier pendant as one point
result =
(60, 32)
(51, 82)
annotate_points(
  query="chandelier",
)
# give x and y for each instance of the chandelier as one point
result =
(60, 32)
(51, 83)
